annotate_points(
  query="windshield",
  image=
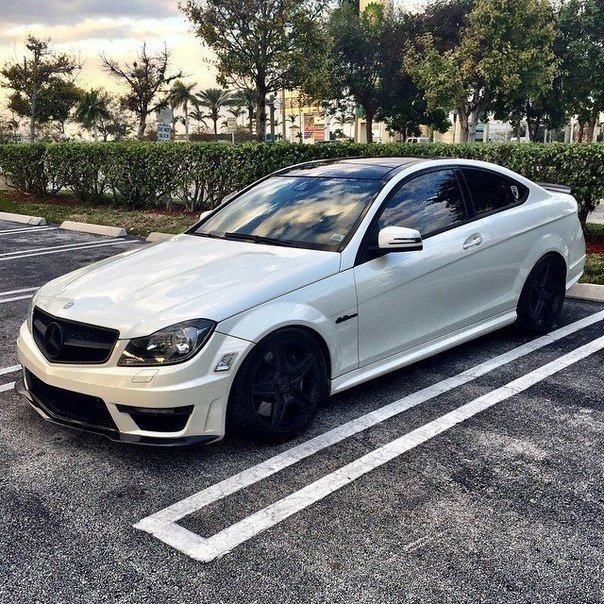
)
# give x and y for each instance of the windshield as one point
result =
(308, 212)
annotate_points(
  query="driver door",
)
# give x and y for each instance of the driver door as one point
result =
(408, 298)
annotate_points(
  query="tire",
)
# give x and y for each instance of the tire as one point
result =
(278, 388)
(542, 296)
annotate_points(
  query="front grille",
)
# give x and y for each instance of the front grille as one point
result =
(70, 406)
(64, 341)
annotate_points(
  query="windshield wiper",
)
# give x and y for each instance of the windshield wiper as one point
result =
(210, 235)
(258, 239)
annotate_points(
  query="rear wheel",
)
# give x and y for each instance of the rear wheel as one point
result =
(542, 296)
(279, 387)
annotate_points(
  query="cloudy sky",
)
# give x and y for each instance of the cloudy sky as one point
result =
(118, 28)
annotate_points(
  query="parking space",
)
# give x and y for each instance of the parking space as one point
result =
(474, 476)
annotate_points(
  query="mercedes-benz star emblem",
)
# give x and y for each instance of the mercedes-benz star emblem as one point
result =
(68, 305)
(53, 340)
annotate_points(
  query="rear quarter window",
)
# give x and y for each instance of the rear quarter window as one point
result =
(491, 192)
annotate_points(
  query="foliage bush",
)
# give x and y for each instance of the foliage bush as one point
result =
(146, 175)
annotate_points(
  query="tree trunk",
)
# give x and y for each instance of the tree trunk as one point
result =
(142, 125)
(186, 108)
(369, 126)
(462, 116)
(591, 125)
(215, 130)
(34, 99)
(472, 124)
(260, 111)
(95, 132)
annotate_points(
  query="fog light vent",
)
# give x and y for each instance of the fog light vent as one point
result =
(158, 420)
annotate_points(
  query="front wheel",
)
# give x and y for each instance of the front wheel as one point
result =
(279, 387)
(542, 296)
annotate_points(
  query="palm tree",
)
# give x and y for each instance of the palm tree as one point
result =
(92, 108)
(180, 96)
(292, 117)
(214, 99)
(200, 117)
(237, 112)
(247, 98)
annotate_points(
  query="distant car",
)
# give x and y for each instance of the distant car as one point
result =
(313, 280)
(417, 139)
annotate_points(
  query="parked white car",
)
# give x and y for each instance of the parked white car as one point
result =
(312, 280)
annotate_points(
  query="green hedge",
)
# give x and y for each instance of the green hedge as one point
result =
(139, 175)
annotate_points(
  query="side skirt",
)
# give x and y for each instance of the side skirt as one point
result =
(418, 353)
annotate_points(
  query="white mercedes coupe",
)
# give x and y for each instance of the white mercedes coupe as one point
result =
(310, 281)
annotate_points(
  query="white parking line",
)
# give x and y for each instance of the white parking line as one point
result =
(14, 299)
(7, 387)
(27, 230)
(12, 369)
(18, 291)
(162, 524)
(74, 247)
(51, 247)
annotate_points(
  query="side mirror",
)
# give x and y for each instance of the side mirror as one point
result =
(400, 239)
(205, 214)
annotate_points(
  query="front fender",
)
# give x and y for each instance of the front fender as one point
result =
(318, 307)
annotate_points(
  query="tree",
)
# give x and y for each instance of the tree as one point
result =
(40, 84)
(246, 97)
(358, 56)
(181, 95)
(200, 117)
(145, 78)
(581, 24)
(214, 99)
(262, 44)
(92, 108)
(402, 105)
(505, 49)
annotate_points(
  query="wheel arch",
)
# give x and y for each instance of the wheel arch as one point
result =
(300, 327)
(551, 244)
(239, 415)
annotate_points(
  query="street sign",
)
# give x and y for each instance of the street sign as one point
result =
(231, 125)
(163, 132)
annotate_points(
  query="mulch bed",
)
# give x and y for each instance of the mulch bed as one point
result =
(66, 201)
(595, 243)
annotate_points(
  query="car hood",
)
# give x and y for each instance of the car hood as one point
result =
(185, 278)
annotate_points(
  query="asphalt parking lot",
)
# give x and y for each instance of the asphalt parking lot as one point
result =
(474, 476)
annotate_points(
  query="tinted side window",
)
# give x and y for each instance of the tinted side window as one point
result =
(430, 202)
(491, 191)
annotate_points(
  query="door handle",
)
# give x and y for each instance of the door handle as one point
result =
(472, 241)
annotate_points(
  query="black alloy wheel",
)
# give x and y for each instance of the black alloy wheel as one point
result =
(542, 296)
(279, 387)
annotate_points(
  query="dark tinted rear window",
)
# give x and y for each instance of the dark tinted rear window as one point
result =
(491, 191)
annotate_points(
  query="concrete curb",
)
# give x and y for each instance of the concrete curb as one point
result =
(21, 218)
(587, 291)
(94, 229)
(158, 237)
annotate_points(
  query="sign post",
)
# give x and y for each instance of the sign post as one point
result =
(164, 124)
(232, 127)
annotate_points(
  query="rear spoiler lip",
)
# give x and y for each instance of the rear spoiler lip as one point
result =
(555, 188)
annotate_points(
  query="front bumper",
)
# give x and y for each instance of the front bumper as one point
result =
(127, 404)
(113, 434)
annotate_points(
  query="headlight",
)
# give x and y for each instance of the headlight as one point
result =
(168, 346)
